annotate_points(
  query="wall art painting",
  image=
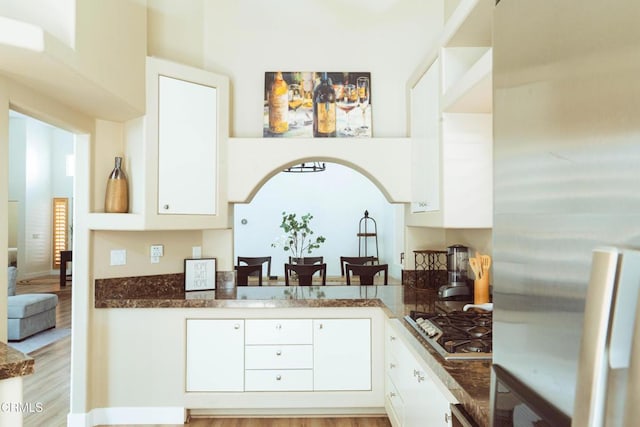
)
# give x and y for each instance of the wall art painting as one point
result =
(317, 104)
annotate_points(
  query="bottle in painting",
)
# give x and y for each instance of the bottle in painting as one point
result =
(278, 105)
(324, 108)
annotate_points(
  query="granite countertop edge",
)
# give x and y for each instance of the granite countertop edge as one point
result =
(14, 363)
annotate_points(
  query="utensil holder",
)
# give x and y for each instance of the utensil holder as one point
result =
(481, 290)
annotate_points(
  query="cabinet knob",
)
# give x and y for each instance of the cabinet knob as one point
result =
(165, 207)
(420, 378)
(278, 326)
(416, 372)
(447, 417)
(392, 394)
(279, 353)
(278, 377)
(392, 338)
(392, 365)
(321, 326)
(236, 326)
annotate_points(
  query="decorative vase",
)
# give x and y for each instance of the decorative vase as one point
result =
(116, 199)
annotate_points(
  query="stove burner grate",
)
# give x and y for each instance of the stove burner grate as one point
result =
(456, 335)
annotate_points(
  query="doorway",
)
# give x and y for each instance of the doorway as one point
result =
(41, 185)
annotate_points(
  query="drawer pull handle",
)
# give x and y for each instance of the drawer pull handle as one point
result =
(279, 353)
(236, 326)
(420, 378)
(392, 394)
(392, 338)
(392, 365)
(278, 377)
(447, 418)
(278, 326)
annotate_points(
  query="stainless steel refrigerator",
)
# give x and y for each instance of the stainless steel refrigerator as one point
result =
(566, 176)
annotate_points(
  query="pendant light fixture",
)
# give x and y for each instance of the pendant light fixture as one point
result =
(307, 167)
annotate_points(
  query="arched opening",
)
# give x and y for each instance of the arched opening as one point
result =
(337, 198)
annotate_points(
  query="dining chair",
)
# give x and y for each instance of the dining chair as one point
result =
(244, 271)
(358, 260)
(305, 273)
(248, 260)
(307, 260)
(366, 273)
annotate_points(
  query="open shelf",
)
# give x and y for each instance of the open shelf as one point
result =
(116, 221)
(472, 92)
(469, 24)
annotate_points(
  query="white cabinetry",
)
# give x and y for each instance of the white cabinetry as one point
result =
(451, 124)
(413, 398)
(342, 354)
(279, 355)
(215, 355)
(174, 153)
(187, 147)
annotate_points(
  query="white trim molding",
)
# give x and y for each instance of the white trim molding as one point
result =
(128, 415)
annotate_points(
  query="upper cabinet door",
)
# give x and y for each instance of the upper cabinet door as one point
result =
(187, 147)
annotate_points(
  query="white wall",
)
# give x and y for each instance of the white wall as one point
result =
(245, 38)
(337, 199)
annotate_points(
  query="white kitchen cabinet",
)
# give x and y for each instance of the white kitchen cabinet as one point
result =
(187, 147)
(342, 354)
(278, 355)
(412, 395)
(451, 124)
(175, 154)
(215, 355)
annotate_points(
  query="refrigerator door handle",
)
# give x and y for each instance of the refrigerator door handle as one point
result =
(624, 314)
(590, 399)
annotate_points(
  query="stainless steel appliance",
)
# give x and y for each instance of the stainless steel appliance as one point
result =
(566, 177)
(455, 335)
(457, 267)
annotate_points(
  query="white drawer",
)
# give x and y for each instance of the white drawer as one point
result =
(278, 331)
(393, 369)
(278, 380)
(394, 401)
(278, 357)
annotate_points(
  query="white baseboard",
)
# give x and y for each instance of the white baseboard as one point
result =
(128, 415)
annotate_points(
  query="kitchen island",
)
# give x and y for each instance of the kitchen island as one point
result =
(466, 380)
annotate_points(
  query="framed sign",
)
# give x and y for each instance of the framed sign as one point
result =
(199, 274)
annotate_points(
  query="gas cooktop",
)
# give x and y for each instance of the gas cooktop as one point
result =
(456, 335)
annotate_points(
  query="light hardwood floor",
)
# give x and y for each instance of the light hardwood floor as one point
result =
(49, 384)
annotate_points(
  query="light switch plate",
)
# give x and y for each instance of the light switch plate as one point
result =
(196, 251)
(118, 256)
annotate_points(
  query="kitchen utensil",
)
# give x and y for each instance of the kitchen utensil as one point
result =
(476, 267)
(485, 262)
(488, 306)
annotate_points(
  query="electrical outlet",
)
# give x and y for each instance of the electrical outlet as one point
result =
(118, 257)
(157, 250)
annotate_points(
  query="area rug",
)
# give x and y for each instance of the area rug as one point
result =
(39, 340)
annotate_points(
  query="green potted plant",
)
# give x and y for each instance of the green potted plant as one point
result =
(299, 238)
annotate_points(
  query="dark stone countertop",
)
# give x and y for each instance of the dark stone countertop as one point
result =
(13, 363)
(468, 380)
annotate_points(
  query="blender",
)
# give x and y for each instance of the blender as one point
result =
(457, 265)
